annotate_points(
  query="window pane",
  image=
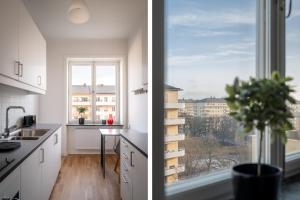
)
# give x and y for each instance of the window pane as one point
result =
(81, 91)
(293, 70)
(105, 92)
(207, 47)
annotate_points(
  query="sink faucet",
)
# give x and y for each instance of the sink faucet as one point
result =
(7, 129)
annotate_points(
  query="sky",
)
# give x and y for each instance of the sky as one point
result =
(209, 43)
(82, 74)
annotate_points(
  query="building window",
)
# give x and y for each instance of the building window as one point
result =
(91, 83)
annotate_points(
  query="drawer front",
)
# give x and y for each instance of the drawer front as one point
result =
(126, 187)
(124, 145)
(10, 186)
(125, 152)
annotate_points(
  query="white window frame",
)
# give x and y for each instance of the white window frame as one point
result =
(270, 57)
(93, 64)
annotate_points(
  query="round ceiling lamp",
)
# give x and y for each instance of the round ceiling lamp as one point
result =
(78, 12)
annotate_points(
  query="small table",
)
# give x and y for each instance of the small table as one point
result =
(104, 133)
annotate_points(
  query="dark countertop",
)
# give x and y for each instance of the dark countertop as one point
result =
(137, 139)
(26, 149)
(94, 124)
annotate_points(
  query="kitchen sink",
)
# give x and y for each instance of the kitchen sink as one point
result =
(30, 132)
(24, 138)
(27, 134)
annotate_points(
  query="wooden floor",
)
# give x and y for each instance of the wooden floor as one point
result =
(81, 178)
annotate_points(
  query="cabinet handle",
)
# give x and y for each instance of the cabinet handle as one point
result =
(131, 160)
(56, 138)
(6, 198)
(43, 155)
(21, 67)
(39, 80)
(17, 68)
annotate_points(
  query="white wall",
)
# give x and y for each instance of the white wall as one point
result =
(53, 106)
(137, 76)
(10, 96)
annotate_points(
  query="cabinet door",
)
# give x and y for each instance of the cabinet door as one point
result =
(48, 168)
(138, 174)
(126, 187)
(9, 38)
(57, 153)
(31, 176)
(29, 48)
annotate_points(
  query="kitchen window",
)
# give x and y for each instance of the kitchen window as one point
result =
(93, 85)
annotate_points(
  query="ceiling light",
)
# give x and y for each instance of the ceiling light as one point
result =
(78, 12)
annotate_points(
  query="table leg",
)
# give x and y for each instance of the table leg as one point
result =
(101, 152)
(104, 156)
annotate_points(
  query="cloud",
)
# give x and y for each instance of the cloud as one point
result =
(224, 53)
(213, 19)
(214, 33)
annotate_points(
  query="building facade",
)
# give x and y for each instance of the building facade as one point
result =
(172, 135)
(105, 102)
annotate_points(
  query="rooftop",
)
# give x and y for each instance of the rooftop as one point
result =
(100, 89)
(172, 88)
(206, 100)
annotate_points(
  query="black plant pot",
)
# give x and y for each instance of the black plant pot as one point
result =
(81, 121)
(248, 186)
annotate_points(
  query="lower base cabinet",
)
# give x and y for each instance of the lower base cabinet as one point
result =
(10, 186)
(133, 172)
(40, 170)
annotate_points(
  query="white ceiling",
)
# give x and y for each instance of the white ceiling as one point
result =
(110, 19)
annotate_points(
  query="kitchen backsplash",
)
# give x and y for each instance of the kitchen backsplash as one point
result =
(14, 97)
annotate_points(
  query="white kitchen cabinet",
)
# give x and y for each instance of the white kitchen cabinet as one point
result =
(22, 49)
(133, 172)
(31, 48)
(40, 170)
(139, 174)
(51, 164)
(31, 176)
(9, 38)
(10, 186)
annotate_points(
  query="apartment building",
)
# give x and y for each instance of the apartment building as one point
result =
(105, 101)
(205, 107)
(172, 134)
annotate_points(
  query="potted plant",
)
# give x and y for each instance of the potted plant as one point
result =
(259, 104)
(81, 111)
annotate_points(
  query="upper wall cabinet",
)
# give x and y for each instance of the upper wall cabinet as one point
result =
(9, 20)
(22, 49)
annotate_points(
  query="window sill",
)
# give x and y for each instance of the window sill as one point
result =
(95, 124)
(200, 188)
(292, 165)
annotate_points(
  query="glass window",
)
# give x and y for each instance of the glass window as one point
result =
(81, 90)
(106, 90)
(293, 70)
(94, 86)
(207, 46)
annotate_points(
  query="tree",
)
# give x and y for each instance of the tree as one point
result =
(261, 103)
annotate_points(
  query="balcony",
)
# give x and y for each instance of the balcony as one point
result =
(174, 170)
(174, 153)
(174, 105)
(175, 121)
(175, 137)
